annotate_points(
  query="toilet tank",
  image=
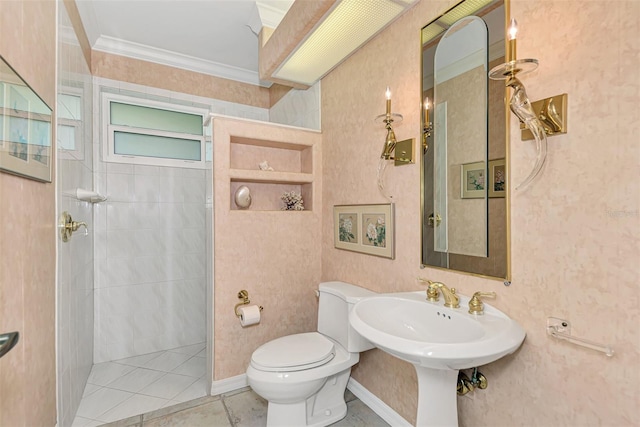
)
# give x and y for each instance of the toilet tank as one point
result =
(336, 301)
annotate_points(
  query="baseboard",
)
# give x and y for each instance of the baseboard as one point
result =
(229, 384)
(383, 410)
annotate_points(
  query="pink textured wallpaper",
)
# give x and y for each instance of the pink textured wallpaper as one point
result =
(575, 232)
(274, 255)
(131, 70)
(27, 245)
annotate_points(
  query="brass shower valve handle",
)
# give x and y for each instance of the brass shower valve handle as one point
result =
(476, 306)
(67, 226)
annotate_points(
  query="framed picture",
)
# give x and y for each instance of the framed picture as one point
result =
(25, 128)
(472, 181)
(368, 229)
(497, 178)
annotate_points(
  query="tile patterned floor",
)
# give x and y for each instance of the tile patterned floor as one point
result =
(168, 389)
(141, 384)
(241, 408)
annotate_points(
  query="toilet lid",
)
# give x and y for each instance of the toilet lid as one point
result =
(294, 353)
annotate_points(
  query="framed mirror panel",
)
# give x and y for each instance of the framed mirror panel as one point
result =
(464, 197)
(25, 128)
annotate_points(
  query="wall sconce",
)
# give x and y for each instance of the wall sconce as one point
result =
(521, 106)
(427, 126)
(401, 152)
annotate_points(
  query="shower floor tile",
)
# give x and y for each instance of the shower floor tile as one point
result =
(136, 385)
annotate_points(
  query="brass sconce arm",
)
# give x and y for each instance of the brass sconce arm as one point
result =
(390, 140)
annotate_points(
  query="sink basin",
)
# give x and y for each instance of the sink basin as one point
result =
(432, 335)
(438, 341)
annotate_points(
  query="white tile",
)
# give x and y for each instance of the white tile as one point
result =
(147, 188)
(167, 362)
(194, 391)
(171, 403)
(135, 405)
(135, 380)
(104, 373)
(100, 402)
(85, 422)
(90, 389)
(169, 386)
(194, 367)
(119, 168)
(120, 187)
(191, 350)
(140, 361)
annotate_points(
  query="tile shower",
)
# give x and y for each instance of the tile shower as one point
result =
(150, 260)
(137, 283)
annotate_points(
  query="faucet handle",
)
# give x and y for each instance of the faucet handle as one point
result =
(432, 289)
(476, 306)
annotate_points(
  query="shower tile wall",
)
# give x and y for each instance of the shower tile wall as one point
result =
(150, 251)
(298, 108)
(75, 258)
(151, 260)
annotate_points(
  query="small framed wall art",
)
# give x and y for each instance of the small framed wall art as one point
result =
(369, 229)
(497, 178)
(473, 180)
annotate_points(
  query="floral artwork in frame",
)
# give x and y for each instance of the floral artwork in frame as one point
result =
(368, 229)
(348, 227)
(473, 180)
(497, 178)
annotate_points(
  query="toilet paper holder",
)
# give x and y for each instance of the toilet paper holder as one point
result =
(244, 296)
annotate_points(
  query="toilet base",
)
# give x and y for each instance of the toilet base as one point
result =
(323, 408)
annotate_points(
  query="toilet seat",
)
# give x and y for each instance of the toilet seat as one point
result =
(294, 353)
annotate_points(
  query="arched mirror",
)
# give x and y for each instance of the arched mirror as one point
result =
(464, 205)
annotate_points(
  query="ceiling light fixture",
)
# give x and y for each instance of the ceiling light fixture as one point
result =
(346, 25)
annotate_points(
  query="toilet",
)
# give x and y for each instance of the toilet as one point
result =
(304, 376)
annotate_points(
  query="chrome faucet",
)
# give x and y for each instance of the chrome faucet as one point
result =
(451, 299)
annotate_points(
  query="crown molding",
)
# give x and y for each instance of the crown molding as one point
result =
(173, 59)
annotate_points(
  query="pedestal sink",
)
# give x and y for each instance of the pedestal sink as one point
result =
(438, 341)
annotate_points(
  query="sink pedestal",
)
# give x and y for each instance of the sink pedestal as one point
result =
(437, 397)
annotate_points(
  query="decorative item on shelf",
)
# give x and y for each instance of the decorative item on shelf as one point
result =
(427, 126)
(248, 314)
(264, 166)
(242, 197)
(292, 201)
(521, 106)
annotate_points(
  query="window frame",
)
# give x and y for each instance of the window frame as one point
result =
(109, 130)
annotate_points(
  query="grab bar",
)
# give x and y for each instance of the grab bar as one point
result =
(561, 329)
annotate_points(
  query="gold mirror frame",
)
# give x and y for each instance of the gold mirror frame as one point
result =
(446, 17)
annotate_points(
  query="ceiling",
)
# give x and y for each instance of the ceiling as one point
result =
(216, 37)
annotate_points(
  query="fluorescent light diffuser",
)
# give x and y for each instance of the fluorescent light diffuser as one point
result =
(349, 25)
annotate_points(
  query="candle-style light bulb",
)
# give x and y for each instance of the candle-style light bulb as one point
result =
(511, 47)
(427, 105)
(388, 95)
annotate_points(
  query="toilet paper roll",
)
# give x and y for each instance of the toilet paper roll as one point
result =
(249, 315)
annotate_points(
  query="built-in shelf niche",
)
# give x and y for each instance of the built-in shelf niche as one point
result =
(292, 165)
(265, 196)
(247, 154)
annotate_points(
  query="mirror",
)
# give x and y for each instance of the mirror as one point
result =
(463, 178)
(25, 128)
